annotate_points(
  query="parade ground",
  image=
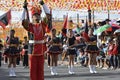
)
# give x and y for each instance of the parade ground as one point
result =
(81, 73)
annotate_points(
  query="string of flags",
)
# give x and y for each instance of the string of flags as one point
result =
(97, 5)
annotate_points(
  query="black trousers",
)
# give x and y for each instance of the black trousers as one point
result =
(118, 60)
(25, 60)
(114, 61)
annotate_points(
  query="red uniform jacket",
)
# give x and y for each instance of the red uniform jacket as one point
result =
(38, 31)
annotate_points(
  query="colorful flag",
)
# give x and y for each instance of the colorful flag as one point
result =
(5, 19)
(86, 27)
(65, 22)
(85, 33)
(49, 26)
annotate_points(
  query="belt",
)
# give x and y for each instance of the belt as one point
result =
(71, 48)
(37, 54)
(26, 49)
(11, 45)
(92, 43)
(36, 41)
(55, 44)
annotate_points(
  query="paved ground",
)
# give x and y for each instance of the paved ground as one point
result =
(82, 73)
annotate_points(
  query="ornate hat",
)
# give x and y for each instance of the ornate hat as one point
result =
(36, 9)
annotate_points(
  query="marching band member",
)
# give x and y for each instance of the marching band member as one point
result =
(92, 50)
(37, 28)
(54, 50)
(71, 52)
(12, 51)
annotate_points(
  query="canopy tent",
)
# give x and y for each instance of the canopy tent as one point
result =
(97, 5)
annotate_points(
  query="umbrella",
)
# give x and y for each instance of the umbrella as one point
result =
(102, 28)
(117, 31)
(113, 27)
(118, 21)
